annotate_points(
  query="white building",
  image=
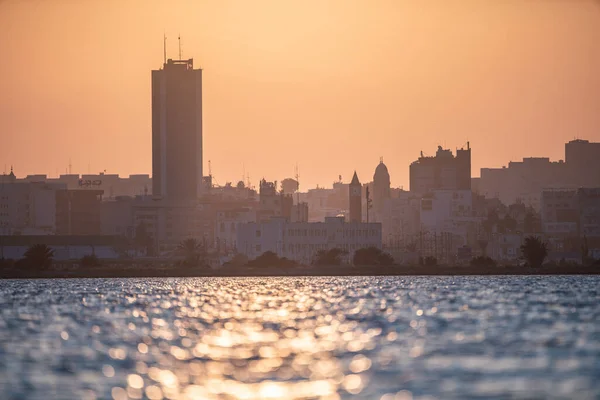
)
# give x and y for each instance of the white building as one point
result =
(400, 219)
(170, 223)
(300, 241)
(447, 221)
(226, 227)
(560, 212)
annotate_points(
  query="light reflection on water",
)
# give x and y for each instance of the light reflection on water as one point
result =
(300, 338)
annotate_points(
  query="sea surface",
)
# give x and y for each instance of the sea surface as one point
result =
(387, 338)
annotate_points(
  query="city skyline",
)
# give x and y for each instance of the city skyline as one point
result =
(294, 86)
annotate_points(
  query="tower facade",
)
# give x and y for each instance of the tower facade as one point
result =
(177, 131)
(381, 187)
(355, 194)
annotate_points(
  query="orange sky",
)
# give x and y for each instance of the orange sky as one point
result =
(332, 85)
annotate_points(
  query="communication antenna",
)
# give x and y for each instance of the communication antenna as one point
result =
(369, 202)
(179, 39)
(298, 192)
(70, 167)
(165, 48)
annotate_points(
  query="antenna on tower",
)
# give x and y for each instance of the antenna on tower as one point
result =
(70, 167)
(165, 48)
(179, 39)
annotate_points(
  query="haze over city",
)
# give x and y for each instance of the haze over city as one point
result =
(331, 86)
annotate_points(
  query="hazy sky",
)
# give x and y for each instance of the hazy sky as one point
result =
(332, 85)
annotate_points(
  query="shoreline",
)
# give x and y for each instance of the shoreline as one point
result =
(117, 271)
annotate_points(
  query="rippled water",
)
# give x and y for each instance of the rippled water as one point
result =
(242, 338)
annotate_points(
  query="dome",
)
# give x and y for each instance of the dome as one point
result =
(381, 173)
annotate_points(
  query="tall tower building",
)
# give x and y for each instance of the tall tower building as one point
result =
(355, 193)
(381, 187)
(177, 131)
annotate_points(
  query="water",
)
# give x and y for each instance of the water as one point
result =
(362, 337)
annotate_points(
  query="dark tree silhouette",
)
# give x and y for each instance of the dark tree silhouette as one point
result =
(429, 261)
(534, 251)
(585, 252)
(483, 261)
(271, 260)
(372, 256)
(38, 256)
(193, 251)
(90, 260)
(329, 257)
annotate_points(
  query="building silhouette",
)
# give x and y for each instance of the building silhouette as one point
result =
(524, 181)
(177, 131)
(442, 172)
(355, 199)
(582, 159)
(381, 189)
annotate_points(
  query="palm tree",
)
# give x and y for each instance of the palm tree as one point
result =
(534, 251)
(39, 256)
(192, 249)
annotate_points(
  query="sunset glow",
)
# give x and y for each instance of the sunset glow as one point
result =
(330, 85)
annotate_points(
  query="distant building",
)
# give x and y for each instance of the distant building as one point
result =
(168, 224)
(447, 223)
(28, 208)
(442, 172)
(177, 131)
(400, 220)
(381, 190)
(560, 212)
(270, 202)
(355, 199)
(525, 180)
(300, 241)
(299, 212)
(78, 212)
(112, 185)
(116, 217)
(582, 158)
(589, 212)
(65, 247)
(226, 227)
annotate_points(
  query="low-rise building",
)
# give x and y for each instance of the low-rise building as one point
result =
(28, 208)
(116, 216)
(400, 220)
(560, 212)
(589, 212)
(300, 241)
(66, 247)
(226, 227)
(78, 212)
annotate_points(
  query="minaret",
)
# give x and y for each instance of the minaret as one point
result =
(355, 193)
